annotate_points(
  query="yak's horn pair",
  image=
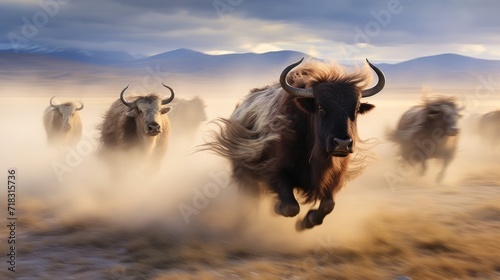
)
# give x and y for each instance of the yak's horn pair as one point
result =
(163, 102)
(308, 92)
(76, 109)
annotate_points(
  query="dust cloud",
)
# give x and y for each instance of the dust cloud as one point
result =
(191, 197)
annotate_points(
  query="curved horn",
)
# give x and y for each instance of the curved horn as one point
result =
(168, 100)
(299, 92)
(128, 104)
(81, 106)
(380, 84)
(51, 102)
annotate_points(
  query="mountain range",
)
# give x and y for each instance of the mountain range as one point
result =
(92, 66)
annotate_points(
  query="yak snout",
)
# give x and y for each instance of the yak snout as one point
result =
(154, 128)
(338, 147)
(66, 127)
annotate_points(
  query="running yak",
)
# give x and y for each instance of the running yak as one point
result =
(63, 124)
(428, 130)
(187, 117)
(138, 126)
(298, 134)
(489, 128)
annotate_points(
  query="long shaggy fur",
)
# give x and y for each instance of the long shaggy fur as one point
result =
(313, 72)
(249, 137)
(251, 128)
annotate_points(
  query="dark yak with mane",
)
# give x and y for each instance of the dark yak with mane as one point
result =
(428, 130)
(298, 134)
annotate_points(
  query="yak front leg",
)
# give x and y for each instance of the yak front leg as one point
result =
(287, 205)
(440, 176)
(315, 216)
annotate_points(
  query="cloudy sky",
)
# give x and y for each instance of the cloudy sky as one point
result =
(390, 30)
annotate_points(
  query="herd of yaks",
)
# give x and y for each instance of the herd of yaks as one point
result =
(296, 134)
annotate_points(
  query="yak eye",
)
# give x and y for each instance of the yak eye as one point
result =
(321, 111)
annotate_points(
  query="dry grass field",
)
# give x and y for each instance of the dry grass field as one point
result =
(97, 224)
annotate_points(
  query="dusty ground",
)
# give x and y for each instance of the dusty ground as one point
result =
(92, 225)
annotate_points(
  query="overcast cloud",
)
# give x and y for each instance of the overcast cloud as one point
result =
(388, 30)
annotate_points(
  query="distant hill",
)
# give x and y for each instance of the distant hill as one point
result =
(438, 69)
(448, 62)
(79, 55)
(191, 62)
(94, 66)
(49, 66)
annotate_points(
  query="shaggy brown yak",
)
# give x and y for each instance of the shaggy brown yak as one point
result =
(63, 124)
(139, 126)
(428, 130)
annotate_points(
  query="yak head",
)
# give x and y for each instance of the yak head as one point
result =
(333, 106)
(443, 113)
(66, 113)
(147, 111)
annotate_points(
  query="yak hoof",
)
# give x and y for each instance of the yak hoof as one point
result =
(311, 220)
(304, 224)
(299, 226)
(286, 209)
